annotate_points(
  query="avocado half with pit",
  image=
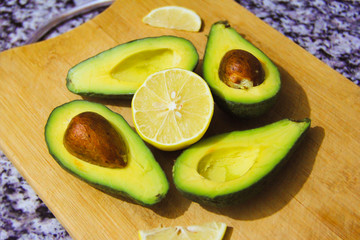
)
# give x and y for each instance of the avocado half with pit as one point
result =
(243, 80)
(98, 146)
(230, 168)
(119, 71)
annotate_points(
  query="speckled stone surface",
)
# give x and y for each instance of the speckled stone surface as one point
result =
(330, 30)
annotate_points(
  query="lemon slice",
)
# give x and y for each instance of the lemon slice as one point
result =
(172, 109)
(208, 231)
(174, 17)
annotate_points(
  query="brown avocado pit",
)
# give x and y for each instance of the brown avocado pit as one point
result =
(92, 138)
(241, 70)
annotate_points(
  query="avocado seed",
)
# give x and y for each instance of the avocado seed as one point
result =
(240, 69)
(92, 138)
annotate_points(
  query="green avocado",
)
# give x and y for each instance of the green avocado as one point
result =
(231, 167)
(242, 102)
(141, 180)
(119, 71)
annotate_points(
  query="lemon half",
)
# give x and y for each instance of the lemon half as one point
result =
(172, 109)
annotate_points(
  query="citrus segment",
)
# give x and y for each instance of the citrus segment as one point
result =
(212, 230)
(174, 17)
(172, 109)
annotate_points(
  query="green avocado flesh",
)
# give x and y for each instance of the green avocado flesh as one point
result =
(243, 103)
(119, 71)
(231, 167)
(141, 180)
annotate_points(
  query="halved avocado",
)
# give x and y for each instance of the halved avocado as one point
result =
(247, 102)
(231, 167)
(119, 71)
(141, 179)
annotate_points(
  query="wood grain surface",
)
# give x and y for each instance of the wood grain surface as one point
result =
(316, 195)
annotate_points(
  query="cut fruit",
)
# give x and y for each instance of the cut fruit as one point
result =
(119, 71)
(228, 54)
(212, 230)
(172, 109)
(232, 167)
(174, 17)
(141, 180)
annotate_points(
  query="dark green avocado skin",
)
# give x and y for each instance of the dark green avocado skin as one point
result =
(250, 192)
(117, 194)
(243, 110)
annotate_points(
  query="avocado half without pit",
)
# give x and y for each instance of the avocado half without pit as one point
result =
(232, 167)
(119, 71)
(98, 146)
(243, 80)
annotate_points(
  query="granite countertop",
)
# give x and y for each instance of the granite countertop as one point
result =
(329, 30)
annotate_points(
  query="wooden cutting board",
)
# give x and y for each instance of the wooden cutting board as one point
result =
(316, 195)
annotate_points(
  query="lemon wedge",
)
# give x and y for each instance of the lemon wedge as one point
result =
(172, 109)
(174, 17)
(207, 231)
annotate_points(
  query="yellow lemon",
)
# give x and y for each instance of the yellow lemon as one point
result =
(172, 109)
(174, 17)
(212, 230)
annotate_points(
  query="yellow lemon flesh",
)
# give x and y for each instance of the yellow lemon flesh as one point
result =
(174, 17)
(172, 109)
(212, 230)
